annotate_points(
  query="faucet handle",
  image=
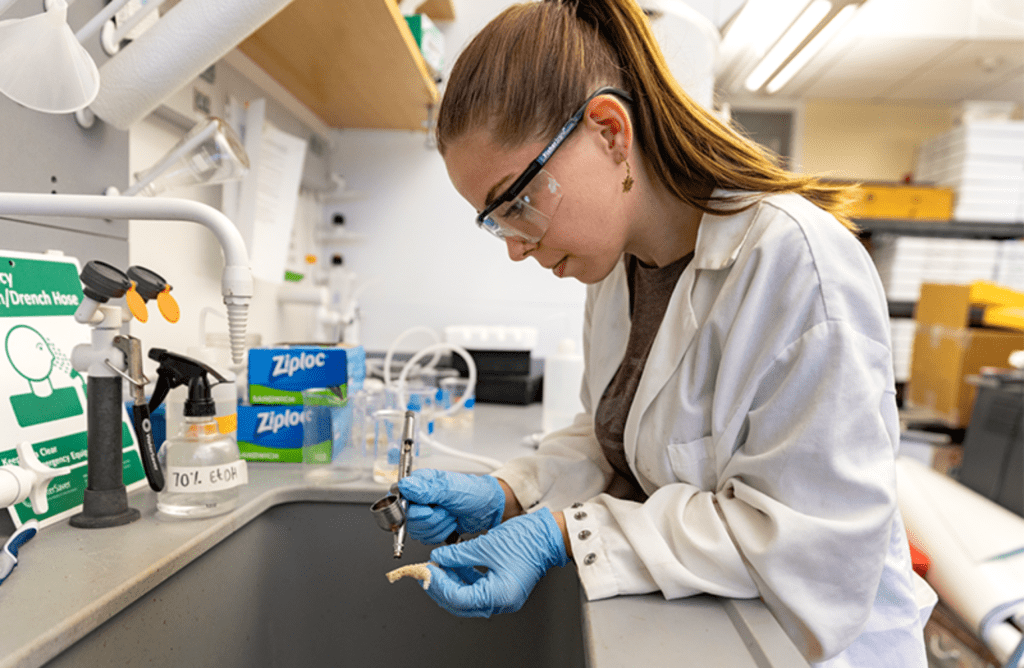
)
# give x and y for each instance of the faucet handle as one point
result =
(37, 476)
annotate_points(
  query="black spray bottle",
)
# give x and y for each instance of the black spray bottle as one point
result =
(202, 466)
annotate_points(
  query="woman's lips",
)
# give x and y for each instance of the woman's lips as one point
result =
(560, 267)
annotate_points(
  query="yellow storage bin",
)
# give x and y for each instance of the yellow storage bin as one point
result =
(880, 200)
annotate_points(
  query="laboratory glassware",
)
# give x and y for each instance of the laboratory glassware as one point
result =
(331, 450)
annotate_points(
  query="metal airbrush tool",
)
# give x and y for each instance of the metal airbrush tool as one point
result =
(390, 511)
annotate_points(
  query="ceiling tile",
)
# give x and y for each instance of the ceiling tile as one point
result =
(961, 73)
(866, 67)
(927, 50)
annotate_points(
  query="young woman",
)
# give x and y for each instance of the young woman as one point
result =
(740, 423)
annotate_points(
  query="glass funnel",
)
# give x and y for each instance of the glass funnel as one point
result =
(211, 152)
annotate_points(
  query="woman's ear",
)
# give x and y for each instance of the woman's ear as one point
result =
(607, 116)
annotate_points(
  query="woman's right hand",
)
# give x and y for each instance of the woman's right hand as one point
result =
(441, 502)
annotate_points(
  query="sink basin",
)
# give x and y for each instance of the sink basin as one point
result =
(303, 585)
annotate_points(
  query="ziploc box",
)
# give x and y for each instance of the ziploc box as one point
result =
(270, 433)
(277, 376)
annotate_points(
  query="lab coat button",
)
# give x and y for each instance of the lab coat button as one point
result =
(580, 515)
(589, 559)
(585, 534)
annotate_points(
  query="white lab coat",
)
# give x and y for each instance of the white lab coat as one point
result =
(764, 431)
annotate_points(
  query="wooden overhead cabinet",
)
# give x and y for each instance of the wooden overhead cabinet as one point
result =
(355, 64)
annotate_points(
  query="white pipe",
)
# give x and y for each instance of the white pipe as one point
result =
(327, 320)
(300, 294)
(135, 19)
(236, 282)
(92, 358)
(94, 24)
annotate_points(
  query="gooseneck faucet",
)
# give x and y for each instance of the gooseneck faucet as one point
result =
(236, 281)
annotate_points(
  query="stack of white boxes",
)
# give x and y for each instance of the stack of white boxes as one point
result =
(905, 262)
(902, 346)
(1010, 271)
(983, 162)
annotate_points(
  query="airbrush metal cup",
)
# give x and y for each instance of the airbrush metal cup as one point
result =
(389, 512)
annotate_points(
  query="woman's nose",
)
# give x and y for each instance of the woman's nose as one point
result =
(518, 248)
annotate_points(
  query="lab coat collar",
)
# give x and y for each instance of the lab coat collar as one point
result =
(719, 238)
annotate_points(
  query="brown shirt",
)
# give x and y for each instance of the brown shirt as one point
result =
(650, 289)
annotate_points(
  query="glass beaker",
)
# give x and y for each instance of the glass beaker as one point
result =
(388, 426)
(456, 427)
(421, 399)
(452, 390)
(364, 404)
(329, 451)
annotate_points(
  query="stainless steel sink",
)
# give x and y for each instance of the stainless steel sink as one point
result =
(303, 585)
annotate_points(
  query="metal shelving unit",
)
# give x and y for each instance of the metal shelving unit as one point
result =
(947, 229)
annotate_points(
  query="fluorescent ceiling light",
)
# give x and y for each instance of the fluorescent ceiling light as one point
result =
(812, 48)
(790, 40)
(757, 23)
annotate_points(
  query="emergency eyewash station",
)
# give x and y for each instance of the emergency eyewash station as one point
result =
(293, 574)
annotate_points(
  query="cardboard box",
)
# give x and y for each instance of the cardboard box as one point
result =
(947, 349)
(277, 376)
(897, 201)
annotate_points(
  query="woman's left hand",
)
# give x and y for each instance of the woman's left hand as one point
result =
(516, 553)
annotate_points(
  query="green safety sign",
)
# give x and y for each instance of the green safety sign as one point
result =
(42, 397)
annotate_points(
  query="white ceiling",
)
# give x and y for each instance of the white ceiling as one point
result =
(921, 50)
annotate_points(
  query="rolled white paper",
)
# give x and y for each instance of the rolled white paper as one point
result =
(189, 38)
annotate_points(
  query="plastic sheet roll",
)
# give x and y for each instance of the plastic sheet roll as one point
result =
(976, 548)
(189, 38)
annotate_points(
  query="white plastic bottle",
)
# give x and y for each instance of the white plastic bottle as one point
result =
(563, 375)
(202, 466)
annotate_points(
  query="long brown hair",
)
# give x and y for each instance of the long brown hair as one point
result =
(529, 69)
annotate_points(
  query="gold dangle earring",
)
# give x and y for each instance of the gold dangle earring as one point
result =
(627, 183)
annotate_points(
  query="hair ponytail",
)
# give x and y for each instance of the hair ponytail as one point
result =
(528, 70)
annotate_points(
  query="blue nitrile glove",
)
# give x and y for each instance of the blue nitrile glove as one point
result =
(441, 502)
(516, 554)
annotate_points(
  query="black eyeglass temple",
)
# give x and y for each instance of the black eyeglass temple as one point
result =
(538, 163)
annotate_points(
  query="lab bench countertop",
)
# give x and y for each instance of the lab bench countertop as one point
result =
(70, 581)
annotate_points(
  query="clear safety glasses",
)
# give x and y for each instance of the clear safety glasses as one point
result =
(526, 208)
(528, 215)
